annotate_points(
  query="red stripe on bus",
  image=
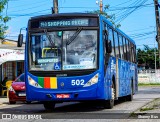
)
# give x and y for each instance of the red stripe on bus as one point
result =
(47, 82)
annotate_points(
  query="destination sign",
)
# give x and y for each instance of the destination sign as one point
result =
(67, 22)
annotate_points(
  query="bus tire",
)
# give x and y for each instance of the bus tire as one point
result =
(108, 104)
(130, 97)
(28, 102)
(49, 105)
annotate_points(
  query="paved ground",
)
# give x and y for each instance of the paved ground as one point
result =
(80, 110)
(3, 100)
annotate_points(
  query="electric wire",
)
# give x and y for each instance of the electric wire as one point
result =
(123, 15)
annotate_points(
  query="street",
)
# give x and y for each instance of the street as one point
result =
(76, 110)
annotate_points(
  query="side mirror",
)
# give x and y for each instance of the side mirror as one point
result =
(108, 46)
(20, 40)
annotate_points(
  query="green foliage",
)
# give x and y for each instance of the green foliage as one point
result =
(148, 84)
(146, 57)
(3, 19)
(146, 109)
(111, 18)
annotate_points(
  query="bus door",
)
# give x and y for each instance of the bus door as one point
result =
(117, 55)
(117, 79)
(110, 52)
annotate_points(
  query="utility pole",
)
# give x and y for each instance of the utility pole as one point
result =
(101, 5)
(55, 6)
(158, 27)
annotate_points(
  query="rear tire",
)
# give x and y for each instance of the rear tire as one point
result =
(49, 105)
(130, 97)
(12, 102)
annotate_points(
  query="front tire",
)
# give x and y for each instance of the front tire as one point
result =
(109, 104)
(49, 105)
(28, 102)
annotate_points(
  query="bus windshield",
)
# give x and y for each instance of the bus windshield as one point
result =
(63, 50)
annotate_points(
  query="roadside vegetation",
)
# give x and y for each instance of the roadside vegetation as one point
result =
(155, 104)
(149, 84)
(151, 106)
(3, 19)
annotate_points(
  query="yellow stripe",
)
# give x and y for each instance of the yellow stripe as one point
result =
(53, 83)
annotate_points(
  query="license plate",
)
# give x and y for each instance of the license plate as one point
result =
(62, 95)
(22, 94)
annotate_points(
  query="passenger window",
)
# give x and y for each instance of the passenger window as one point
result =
(131, 52)
(125, 48)
(112, 41)
(121, 47)
(116, 44)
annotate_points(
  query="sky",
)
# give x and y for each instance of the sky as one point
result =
(137, 17)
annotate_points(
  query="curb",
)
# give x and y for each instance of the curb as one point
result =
(138, 112)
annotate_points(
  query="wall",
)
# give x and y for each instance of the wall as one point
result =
(149, 76)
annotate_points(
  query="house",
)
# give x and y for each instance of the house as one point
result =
(11, 59)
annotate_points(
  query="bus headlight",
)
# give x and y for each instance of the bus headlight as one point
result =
(33, 82)
(92, 81)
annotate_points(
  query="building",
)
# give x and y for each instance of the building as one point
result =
(11, 59)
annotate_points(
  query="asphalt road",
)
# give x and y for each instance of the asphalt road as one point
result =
(76, 110)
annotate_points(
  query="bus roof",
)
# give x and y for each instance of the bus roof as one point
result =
(66, 15)
(117, 29)
(82, 15)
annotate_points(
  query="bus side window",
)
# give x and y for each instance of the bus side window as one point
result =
(110, 37)
(125, 48)
(105, 38)
(121, 47)
(135, 59)
(131, 52)
(116, 44)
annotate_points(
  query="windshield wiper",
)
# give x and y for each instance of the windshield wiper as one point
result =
(73, 37)
(49, 38)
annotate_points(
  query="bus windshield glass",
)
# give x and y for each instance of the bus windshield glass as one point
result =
(63, 50)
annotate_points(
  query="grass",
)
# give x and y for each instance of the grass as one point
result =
(146, 109)
(150, 84)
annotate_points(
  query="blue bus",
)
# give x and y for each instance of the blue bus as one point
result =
(78, 57)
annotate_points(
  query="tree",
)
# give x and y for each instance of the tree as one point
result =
(146, 57)
(104, 13)
(3, 19)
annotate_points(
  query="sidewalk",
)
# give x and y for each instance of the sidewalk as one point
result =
(3, 99)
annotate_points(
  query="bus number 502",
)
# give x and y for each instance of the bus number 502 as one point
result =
(77, 82)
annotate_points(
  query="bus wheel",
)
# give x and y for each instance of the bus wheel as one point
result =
(110, 103)
(49, 105)
(130, 97)
(28, 102)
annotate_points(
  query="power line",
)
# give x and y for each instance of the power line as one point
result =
(142, 35)
(33, 3)
(139, 29)
(131, 7)
(123, 3)
(29, 8)
(29, 14)
(126, 13)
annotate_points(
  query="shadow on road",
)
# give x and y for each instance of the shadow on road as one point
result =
(37, 107)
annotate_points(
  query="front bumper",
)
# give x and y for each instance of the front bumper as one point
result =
(50, 95)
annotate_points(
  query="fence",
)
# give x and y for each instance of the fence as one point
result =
(149, 76)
